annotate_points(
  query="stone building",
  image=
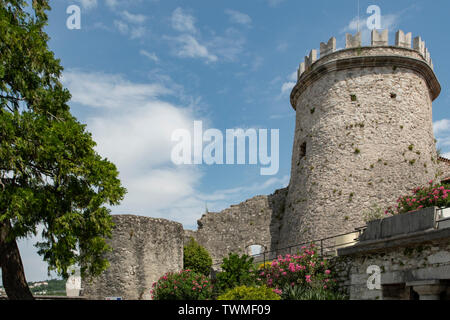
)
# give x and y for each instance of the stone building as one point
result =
(143, 249)
(364, 133)
(363, 136)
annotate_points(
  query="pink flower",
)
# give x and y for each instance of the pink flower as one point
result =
(327, 271)
(308, 278)
(277, 291)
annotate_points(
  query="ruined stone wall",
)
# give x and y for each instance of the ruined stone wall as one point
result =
(143, 250)
(410, 261)
(254, 222)
(364, 136)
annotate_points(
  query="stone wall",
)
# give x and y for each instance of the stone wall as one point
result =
(254, 222)
(407, 263)
(364, 136)
(444, 168)
(143, 250)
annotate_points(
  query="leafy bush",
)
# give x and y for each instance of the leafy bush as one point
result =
(375, 212)
(306, 293)
(433, 195)
(184, 285)
(250, 293)
(236, 271)
(305, 269)
(197, 258)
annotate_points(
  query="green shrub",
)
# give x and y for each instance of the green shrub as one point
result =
(375, 212)
(250, 293)
(308, 293)
(236, 271)
(197, 258)
(184, 285)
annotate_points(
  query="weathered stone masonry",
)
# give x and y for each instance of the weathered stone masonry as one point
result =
(364, 134)
(143, 250)
(254, 222)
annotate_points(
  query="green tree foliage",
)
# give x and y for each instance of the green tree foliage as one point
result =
(197, 258)
(250, 293)
(50, 174)
(236, 271)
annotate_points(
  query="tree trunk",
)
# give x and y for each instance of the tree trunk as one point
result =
(13, 275)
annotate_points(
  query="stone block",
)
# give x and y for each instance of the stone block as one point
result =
(380, 38)
(400, 225)
(353, 41)
(403, 40)
(327, 48)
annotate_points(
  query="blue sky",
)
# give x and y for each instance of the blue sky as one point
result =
(139, 69)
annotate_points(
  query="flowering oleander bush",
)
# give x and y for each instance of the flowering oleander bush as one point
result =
(250, 293)
(433, 195)
(184, 285)
(305, 269)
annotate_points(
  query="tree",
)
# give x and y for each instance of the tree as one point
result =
(50, 174)
(197, 258)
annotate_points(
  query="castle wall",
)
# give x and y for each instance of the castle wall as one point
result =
(364, 136)
(254, 222)
(144, 249)
(407, 265)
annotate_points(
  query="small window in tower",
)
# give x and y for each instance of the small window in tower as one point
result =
(303, 150)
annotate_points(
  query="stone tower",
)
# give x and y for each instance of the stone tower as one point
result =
(364, 133)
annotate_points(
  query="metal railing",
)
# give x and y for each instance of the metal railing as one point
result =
(326, 247)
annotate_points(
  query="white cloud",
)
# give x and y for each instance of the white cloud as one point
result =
(121, 26)
(136, 136)
(239, 17)
(442, 134)
(446, 155)
(151, 55)
(132, 26)
(228, 46)
(134, 18)
(114, 4)
(88, 4)
(182, 21)
(100, 90)
(190, 44)
(287, 87)
(441, 126)
(138, 32)
(293, 76)
(189, 47)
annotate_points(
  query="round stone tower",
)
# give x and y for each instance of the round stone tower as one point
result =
(364, 133)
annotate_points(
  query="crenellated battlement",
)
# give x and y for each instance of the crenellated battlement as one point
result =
(378, 39)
